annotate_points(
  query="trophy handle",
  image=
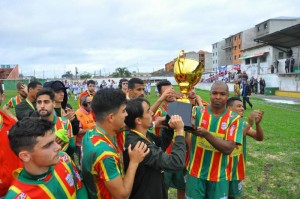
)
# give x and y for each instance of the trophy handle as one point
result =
(179, 59)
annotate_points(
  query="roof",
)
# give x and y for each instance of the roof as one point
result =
(285, 38)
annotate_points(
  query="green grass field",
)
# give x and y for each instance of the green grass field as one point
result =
(273, 165)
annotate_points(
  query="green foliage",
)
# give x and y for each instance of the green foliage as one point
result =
(121, 72)
(85, 76)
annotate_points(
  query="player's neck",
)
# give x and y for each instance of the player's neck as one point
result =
(217, 111)
(141, 129)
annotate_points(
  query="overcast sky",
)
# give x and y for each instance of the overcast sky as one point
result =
(51, 37)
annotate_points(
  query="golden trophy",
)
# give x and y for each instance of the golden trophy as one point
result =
(188, 70)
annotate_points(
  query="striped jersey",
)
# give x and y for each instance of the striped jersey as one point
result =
(236, 168)
(62, 181)
(162, 111)
(14, 101)
(64, 123)
(206, 162)
(101, 161)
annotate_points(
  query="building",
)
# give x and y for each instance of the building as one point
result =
(9, 71)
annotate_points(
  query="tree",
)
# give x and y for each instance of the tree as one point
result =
(67, 75)
(85, 75)
(121, 72)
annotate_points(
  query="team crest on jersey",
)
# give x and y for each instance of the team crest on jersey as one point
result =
(64, 158)
(223, 125)
(70, 180)
(22, 195)
(232, 128)
(64, 121)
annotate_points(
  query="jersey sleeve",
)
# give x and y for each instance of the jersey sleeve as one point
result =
(107, 167)
(235, 131)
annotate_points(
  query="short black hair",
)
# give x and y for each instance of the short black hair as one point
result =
(46, 91)
(231, 100)
(161, 84)
(134, 109)
(106, 101)
(121, 81)
(33, 84)
(134, 81)
(24, 133)
(90, 82)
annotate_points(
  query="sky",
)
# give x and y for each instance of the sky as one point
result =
(48, 38)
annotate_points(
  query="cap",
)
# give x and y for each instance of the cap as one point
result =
(56, 85)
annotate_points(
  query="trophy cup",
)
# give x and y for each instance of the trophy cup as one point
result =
(188, 70)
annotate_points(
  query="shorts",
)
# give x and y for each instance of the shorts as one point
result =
(235, 188)
(197, 188)
(175, 179)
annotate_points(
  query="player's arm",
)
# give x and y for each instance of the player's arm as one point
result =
(224, 146)
(121, 188)
(257, 133)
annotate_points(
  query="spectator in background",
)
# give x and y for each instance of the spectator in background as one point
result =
(292, 62)
(276, 64)
(287, 65)
(123, 85)
(289, 53)
(262, 85)
(272, 69)
(237, 88)
(246, 93)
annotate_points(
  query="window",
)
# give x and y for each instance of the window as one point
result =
(266, 25)
(257, 28)
(280, 55)
(234, 57)
(239, 55)
(234, 38)
(240, 46)
(254, 60)
(247, 61)
(263, 58)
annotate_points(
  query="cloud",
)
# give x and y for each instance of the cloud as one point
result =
(55, 36)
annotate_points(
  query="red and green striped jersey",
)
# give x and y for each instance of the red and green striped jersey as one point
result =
(14, 101)
(64, 123)
(206, 162)
(101, 161)
(162, 111)
(62, 181)
(236, 168)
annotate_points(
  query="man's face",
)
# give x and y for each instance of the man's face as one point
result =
(218, 96)
(59, 96)
(137, 91)
(170, 98)
(192, 94)
(91, 88)
(88, 102)
(44, 105)
(147, 116)
(33, 91)
(45, 152)
(125, 85)
(237, 107)
(119, 118)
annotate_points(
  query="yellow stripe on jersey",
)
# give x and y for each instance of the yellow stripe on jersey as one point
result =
(47, 191)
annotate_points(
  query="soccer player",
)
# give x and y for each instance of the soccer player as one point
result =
(218, 131)
(45, 109)
(27, 107)
(237, 159)
(91, 89)
(14, 101)
(8, 160)
(149, 181)
(102, 166)
(47, 172)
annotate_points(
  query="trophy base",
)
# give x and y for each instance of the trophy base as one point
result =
(184, 110)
